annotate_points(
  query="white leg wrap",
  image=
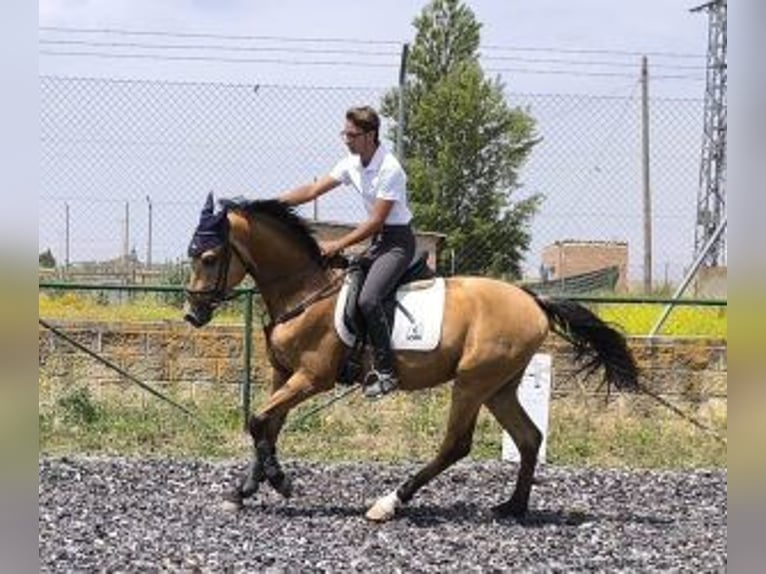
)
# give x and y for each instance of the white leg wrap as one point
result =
(384, 508)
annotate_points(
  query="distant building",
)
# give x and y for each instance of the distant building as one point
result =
(571, 257)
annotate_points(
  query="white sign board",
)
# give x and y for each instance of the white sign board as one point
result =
(535, 396)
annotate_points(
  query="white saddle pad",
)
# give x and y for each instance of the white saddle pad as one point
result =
(421, 331)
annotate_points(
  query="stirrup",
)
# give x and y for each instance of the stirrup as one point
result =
(377, 384)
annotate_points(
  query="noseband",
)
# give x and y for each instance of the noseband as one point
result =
(217, 293)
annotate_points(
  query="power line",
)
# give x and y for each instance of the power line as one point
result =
(608, 64)
(590, 74)
(220, 59)
(605, 51)
(125, 32)
(350, 52)
(398, 43)
(214, 47)
(284, 61)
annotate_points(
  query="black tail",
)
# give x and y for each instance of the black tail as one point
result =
(596, 343)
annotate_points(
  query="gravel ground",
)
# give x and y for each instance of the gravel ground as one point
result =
(148, 515)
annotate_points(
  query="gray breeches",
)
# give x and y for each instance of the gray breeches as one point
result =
(386, 260)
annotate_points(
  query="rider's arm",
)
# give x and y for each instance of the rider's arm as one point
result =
(309, 191)
(380, 210)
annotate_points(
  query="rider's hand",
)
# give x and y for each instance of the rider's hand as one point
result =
(330, 248)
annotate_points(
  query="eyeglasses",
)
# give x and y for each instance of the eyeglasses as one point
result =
(351, 135)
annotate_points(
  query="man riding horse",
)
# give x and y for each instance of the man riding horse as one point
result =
(375, 173)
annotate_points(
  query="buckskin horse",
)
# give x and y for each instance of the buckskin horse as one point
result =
(490, 331)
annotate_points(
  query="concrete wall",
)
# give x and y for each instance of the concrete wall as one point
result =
(695, 369)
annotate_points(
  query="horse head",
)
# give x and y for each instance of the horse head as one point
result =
(213, 276)
(263, 238)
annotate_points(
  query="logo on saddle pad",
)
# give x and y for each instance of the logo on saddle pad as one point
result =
(418, 316)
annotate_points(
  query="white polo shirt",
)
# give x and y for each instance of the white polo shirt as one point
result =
(382, 178)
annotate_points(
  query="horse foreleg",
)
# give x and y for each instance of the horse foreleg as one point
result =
(505, 407)
(464, 409)
(264, 429)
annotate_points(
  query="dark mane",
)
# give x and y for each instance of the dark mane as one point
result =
(284, 214)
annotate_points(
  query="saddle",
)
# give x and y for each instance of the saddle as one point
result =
(418, 270)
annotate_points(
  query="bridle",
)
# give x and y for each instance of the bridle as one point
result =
(218, 293)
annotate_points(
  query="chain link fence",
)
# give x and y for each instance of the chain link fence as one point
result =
(126, 165)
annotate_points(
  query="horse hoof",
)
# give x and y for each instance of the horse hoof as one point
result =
(378, 514)
(284, 486)
(384, 508)
(232, 503)
(231, 506)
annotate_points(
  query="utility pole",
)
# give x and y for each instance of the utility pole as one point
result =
(645, 160)
(66, 237)
(126, 236)
(149, 235)
(711, 195)
(709, 244)
(402, 90)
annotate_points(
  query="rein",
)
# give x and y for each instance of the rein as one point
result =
(326, 291)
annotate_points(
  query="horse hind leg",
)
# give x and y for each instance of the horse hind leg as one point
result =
(464, 409)
(505, 407)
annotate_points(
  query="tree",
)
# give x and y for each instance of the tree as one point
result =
(47, 260)
(463, 146)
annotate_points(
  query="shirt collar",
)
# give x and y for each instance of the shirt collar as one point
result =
(377, 159)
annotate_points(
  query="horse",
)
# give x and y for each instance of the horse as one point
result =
(491, 329)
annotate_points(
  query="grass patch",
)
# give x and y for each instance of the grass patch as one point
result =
(633, 318)
(143, 307)
(79, 419)
(633, 432)
(401, 428)
(684, 321)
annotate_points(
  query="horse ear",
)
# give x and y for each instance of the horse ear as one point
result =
(207, 210)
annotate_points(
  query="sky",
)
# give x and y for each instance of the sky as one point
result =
(628, 27)
(575, 63)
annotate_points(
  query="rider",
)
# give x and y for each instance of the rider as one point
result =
(379, 179)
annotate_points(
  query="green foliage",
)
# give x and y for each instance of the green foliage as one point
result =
(406, 427)
(175, 274)
(637, 433)
(463, 147)
(123, 423)
(78, 407)
(47, 260)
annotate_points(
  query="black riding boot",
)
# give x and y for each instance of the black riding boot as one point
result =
(381, 379)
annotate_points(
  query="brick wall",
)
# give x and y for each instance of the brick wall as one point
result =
(163, 352)
(694, 369)
(153, 352)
